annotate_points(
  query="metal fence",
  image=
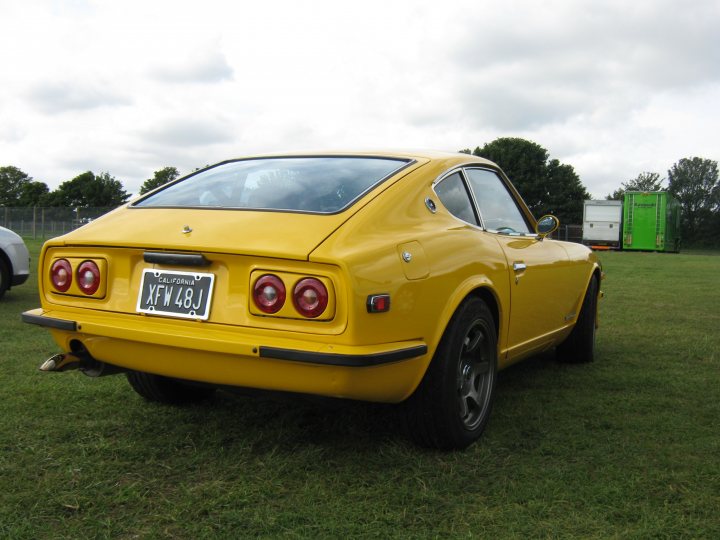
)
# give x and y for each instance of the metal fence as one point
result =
(37, 222)
(570, 233)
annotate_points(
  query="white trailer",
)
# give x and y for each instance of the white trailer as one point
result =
(602, 224)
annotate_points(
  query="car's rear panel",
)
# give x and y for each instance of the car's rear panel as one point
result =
(230, 304)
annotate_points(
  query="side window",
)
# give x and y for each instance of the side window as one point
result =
(498, 209)
(455, 198)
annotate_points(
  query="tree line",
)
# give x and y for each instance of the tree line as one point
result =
(86, 190)
(547, 186)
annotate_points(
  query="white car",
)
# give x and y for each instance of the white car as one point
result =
(14, 260)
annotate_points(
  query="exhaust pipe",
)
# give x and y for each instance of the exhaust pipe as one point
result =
(60, 362)
(79, 359)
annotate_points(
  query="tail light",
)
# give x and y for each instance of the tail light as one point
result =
(88, 277)
(310, 297)
(61, 275)
(269, 293)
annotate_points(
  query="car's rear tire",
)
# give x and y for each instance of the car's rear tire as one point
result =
(579, 346)
(4, 277)
(452, 404)
(166, 390)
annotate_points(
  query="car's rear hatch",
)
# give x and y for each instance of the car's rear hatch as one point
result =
(263, 233)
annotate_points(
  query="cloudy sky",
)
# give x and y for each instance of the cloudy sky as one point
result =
(613, 88)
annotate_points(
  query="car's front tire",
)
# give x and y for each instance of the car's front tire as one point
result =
(579, 346)
(5, 277)
(166, 390)
(450, 408)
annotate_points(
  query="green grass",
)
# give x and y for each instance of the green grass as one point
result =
(626, 447)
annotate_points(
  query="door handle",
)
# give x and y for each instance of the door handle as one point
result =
(519, 266)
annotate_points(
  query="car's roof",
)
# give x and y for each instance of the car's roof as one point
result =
(431, 155)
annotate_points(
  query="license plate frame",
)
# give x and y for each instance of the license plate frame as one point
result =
(175, 293)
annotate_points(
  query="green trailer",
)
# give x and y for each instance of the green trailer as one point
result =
(651, 221)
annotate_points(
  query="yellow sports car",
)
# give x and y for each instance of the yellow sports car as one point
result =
(390, 277)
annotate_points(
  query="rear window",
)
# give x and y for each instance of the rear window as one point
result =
(302, 184)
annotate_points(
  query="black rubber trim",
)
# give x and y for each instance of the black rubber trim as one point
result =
(176, 259)
(19, 280)
(347, 360)
(49, 322)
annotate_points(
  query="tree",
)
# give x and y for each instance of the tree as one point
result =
(645, 181)
(33, 194)
(694, 183)
(160, 178)
(546, 187)
(565, 193)
(12, 181)
(87, 190)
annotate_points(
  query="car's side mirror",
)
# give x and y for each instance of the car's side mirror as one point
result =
(546, 225)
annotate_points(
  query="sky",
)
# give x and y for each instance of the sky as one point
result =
(613, 88)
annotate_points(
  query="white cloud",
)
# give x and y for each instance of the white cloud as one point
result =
(183, 133)
(56, 98)
(209, 67)
(612, 88)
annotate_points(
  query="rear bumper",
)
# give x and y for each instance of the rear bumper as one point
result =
(226, 355)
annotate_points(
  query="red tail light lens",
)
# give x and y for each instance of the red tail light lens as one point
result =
(61, 275)
(269, 293)
(310, 297)
(88, 277)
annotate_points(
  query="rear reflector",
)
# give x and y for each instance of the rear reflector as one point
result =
(378, 303)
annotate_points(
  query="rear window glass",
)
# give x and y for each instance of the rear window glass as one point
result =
(302, 184)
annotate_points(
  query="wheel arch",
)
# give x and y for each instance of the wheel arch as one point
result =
(487, 295)
(597, 275)
(482, 289)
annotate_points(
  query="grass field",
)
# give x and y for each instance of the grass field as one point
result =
(626, 447)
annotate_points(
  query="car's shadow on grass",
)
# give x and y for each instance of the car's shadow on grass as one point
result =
(264, 421)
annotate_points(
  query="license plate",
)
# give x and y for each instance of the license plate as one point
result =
(176, 294)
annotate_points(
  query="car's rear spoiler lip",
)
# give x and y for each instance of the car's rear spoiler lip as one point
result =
(345, 360)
